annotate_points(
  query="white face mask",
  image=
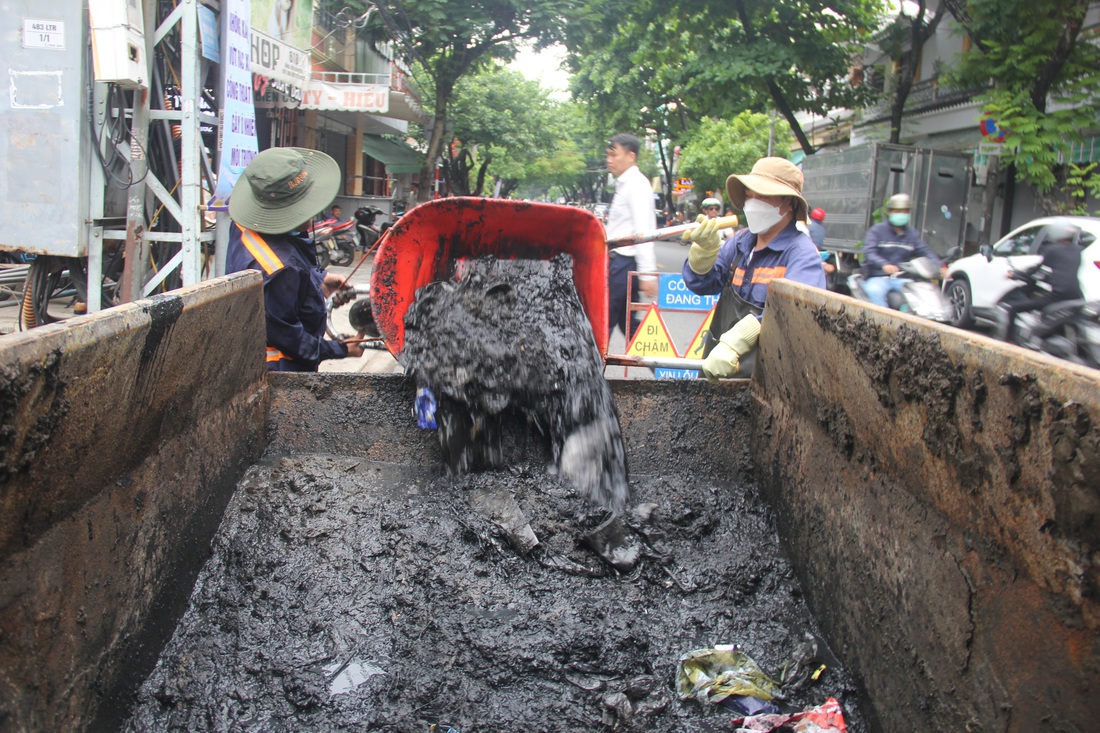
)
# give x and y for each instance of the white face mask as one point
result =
(761, 216)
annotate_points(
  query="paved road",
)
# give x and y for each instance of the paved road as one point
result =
(378, 361)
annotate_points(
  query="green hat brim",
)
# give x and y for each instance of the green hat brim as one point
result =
(267, 218)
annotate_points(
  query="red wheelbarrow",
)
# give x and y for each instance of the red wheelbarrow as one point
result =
(429, 242)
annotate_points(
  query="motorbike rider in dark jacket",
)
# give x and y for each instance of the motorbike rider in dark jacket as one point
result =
(1059, 271)
(887, 245)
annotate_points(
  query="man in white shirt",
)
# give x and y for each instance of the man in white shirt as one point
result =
(631, 212)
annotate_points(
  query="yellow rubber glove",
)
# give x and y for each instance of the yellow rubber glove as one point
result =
(705, 245)
(724, 360)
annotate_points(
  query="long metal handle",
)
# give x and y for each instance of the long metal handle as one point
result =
(724, 222)
(654, 361)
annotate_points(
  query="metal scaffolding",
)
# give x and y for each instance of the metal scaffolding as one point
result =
(166, 118)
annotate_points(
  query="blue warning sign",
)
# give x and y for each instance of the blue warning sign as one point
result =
(673, 294)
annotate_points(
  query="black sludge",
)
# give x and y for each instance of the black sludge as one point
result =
(512, 335)
(349, 595)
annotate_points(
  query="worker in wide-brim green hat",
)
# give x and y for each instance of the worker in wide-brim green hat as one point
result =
(272, 204)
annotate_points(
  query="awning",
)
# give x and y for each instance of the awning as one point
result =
(378, 99)
(398, 157)
(323, 95)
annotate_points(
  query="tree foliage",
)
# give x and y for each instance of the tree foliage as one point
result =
(1045, 88)
(448, 39)
(719, 57)
(507, 131)
(718, 148)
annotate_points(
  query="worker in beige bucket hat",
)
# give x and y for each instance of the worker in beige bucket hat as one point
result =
(742, 267)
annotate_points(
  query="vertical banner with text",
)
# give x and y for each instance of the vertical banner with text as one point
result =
(237, 131)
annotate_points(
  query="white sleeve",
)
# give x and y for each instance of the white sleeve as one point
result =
(645, 220)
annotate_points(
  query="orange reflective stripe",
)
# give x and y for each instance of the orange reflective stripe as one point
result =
(738, 277)
(275, 355)
(765, 275)
(260, 250)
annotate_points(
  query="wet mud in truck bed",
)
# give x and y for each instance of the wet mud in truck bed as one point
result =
(544, 592)
(347, 594)
(249, 551)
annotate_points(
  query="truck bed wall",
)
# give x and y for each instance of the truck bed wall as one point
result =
(939, 494)
(941, 510)
(124, 434)
(667, 426)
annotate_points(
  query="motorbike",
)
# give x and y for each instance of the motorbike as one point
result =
(333, 243)
(368, 233)
(1066, 329)
(921, 294)
(360, 316)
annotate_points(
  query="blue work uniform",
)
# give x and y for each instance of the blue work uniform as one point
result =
(882, 245)
(293, 297)
(790, 255)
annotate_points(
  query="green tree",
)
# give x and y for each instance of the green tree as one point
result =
(448, 39)
(718, 148)
(565, 168)
(1045, 89)
(507, 131)
(587, 136)
(903, 40)
(716, 57)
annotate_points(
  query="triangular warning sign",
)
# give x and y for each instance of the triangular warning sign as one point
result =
(695, 349)
(651, 338)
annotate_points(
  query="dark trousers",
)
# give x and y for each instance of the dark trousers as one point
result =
(618, 274)
(1020, 301)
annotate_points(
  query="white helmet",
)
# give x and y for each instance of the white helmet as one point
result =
(899, 201)
(710, 202)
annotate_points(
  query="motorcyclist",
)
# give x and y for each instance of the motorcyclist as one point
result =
(712, 207)
(1055, 278)
(887, 245)
(817, 230)
(364, 224)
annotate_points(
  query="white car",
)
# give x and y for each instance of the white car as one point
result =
(976, 283)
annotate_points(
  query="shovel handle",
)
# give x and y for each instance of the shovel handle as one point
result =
(724, 222)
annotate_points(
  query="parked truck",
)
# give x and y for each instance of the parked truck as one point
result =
(852, 187)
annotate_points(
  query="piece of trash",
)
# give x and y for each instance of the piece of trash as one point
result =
(644, 512)
(424, 409)
(349, 676)
(712, 675)
(747, 705)
(500, 508)
(825, 718)
(612, 543)
(799, 668)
